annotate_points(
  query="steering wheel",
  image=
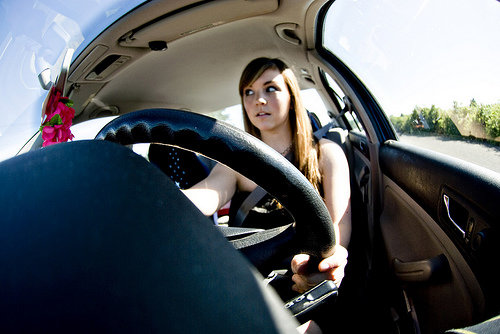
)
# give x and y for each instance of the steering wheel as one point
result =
(87, 250)
(313, 228)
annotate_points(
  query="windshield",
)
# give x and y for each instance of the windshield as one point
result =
(33, 37)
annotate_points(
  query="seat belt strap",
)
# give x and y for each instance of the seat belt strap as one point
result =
(252, 199)
(321, 132)
(257, 194)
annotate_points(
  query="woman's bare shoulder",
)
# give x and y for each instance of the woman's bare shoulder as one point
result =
(329, 147)
(331, 154)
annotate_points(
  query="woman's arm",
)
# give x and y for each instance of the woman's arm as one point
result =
(336, 187)
(210, 194)
(337, 195)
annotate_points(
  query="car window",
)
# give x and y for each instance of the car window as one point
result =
(232, 115)
(431, 65)
(350, 114)
(314, 103)
(90, 128)
(33, 37)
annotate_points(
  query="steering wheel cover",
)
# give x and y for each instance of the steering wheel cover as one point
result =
(85, 250)
(241, 152)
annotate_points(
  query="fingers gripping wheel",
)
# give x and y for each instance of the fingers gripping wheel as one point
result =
(241, 152)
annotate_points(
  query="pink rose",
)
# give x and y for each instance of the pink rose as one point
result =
(52, 103)
(58, 120)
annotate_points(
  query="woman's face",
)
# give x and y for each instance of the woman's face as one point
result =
(267, 102)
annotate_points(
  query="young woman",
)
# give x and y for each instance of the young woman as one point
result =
(274, 113)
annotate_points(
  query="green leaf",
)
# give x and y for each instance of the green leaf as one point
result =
(67, 102)
(55, 120)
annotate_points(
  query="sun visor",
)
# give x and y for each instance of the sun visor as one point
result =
(180, 23)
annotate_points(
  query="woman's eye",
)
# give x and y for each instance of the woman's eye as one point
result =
(271, 89)
(248, 92)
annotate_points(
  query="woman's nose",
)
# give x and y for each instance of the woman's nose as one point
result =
(261, 100)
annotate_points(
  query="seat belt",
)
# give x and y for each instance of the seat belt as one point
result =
(255, 196)
(321, 132)
(258, 193)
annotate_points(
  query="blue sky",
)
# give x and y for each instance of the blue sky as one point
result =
(421, 52)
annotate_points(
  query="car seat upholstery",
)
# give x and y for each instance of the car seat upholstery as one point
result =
(184, 167)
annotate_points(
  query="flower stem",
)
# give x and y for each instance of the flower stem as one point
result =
(27, 142)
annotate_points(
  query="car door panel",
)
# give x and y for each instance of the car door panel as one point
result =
(435, 259)
(411, 235)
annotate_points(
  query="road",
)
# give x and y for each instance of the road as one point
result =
(482, 154)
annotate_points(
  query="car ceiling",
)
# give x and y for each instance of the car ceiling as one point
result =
(208, 45)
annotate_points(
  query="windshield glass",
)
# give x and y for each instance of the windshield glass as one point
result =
(33, 37)
(431, 65)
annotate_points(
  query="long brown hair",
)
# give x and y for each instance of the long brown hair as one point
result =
(305, 149)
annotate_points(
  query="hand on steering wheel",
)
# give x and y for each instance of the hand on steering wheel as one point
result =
(330, 268)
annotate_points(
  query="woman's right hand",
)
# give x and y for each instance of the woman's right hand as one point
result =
(330, 268)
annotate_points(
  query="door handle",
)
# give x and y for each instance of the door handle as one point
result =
(437, 267)
(446, 200)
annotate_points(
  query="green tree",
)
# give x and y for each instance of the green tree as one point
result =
(432, 116)
(489, 117)
(448, 122)
(447, 127)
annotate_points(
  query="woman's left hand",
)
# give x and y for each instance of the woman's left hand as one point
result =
(330, 268)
